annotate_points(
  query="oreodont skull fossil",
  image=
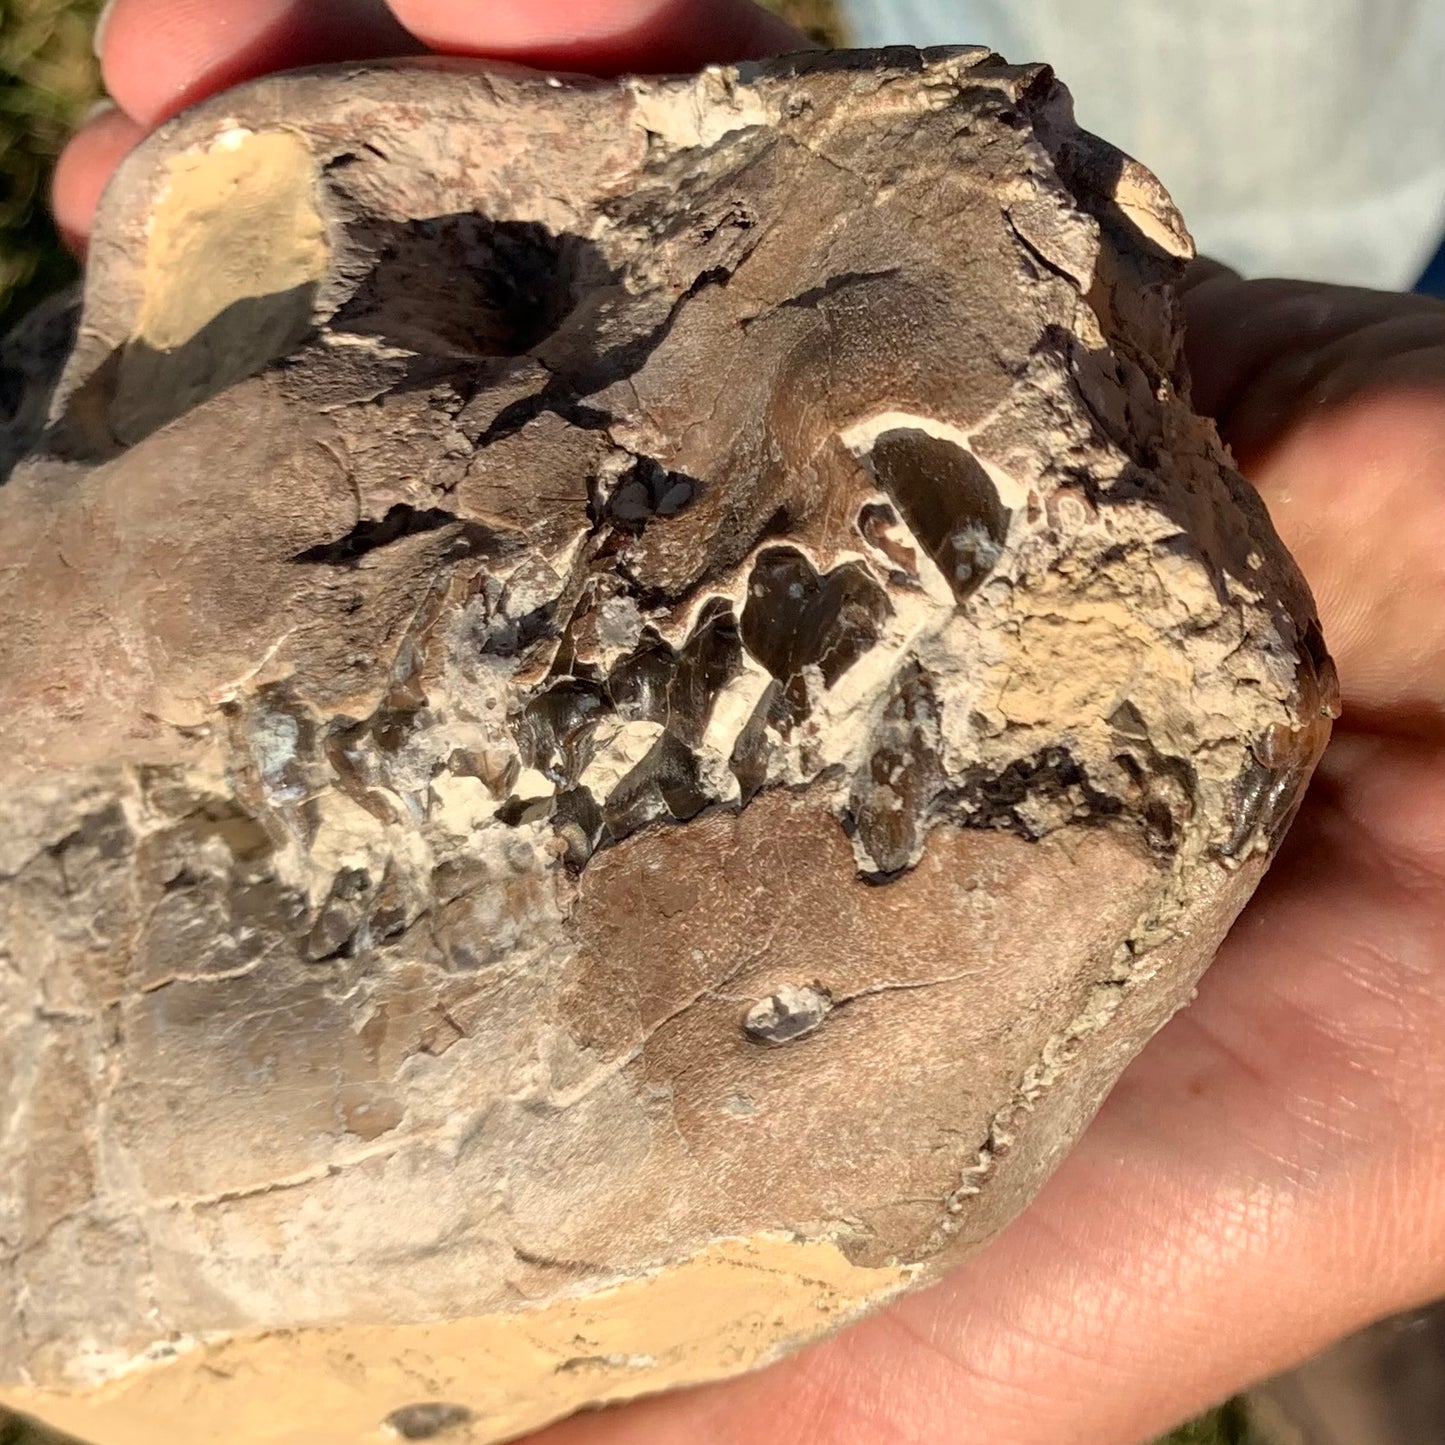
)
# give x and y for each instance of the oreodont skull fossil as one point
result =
(608, 684)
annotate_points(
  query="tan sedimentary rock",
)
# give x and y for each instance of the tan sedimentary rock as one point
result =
(622, 702)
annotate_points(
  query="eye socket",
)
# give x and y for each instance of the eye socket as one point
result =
(462, 285)
(948, 500)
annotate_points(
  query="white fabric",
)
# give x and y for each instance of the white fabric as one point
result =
(1299, 137)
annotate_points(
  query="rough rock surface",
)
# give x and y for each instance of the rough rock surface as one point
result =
(623, 702)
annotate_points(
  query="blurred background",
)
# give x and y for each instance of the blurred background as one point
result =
(1300, 137)
(48, 80)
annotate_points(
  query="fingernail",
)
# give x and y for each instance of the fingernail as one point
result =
(100, 108)
(98, 40)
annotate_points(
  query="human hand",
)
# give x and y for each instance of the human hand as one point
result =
(1271, 1171)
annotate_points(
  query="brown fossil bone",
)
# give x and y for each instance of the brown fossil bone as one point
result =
(623, 702)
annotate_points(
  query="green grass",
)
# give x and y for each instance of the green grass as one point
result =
(1220, 1427)
(818, 18)
(48, 80)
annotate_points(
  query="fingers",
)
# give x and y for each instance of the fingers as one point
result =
(1205, 268)
(1262, 352)
(1358, 494)
(601, 36)
(1334, 402)
(85, 166)
(159, 56)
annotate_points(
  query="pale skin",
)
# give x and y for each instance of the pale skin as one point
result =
(1270, 1173)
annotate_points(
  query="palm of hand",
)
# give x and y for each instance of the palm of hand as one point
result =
(1271, 1171)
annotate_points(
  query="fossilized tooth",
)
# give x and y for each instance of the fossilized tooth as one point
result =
(623, 703)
